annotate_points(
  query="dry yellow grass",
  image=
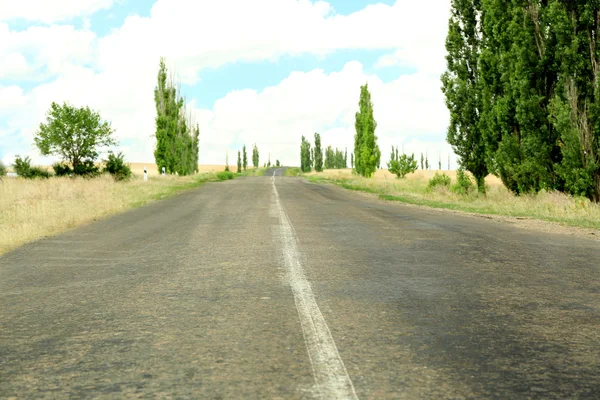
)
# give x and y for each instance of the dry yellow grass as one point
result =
(549, 206)
(30, 209)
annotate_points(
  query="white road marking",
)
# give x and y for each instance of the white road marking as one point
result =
(331, 378)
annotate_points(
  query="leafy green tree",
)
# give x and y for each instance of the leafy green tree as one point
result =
(575, 107)
(74, 134)
(422, 162)
(277, 164)
(3, 169)
(245, 159)
(461, 86)
(239, 163)
(426, 162)
(318, 153)
(177, 140)
(366, 150)
(401, 165)
(352, 160)
(305, 161)
(23, 168)
(255, 156)
(227, 161)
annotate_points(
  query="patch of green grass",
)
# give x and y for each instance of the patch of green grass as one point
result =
(253, 172)
(294, 171)
(225, 175)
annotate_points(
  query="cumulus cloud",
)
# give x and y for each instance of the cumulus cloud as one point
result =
(116, 74)
(50, 11)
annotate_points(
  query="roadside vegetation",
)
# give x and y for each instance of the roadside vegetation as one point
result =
(454, 190)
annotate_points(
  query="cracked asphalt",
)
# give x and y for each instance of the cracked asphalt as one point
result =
(187, 298)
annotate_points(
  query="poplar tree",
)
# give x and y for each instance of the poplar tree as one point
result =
(366, 150)
(245, 158)
(255, 156)
(305, 162)
(461, 87)
(318, 153)
(239, 163)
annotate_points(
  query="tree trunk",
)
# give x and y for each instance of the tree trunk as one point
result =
(480, 184)
(597, 186)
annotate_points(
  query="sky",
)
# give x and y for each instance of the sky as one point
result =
(261, 71)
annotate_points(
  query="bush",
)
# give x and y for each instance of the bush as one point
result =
(116, 166)
(3, 169)
(61, 169)
(292, 172)
(464, 185)
(24, 169)
(401, 165)
(224, 175)
(87, 169)
(439, 180)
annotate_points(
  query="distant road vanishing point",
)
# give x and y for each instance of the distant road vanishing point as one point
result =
(273, 287)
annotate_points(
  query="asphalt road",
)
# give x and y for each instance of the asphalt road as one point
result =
(267, 287)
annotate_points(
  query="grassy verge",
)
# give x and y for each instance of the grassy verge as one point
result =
(253, 172)
(31, 209)
(547, 206)
(293, 172)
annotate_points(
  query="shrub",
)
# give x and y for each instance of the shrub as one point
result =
(401, 165)
(24, 169)
(224, 175)
(62, 169)
(292, 172)
(116, 166)
(439, 180)
(464, 185)
(87, 169)
(3, 169)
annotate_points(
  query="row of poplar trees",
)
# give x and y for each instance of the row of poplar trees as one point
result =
(177, 137)
(522, 87)
(314, 157)
(366, 156)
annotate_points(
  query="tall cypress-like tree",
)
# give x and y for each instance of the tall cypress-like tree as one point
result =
(460, 84)
(255, 156)
(245, 158)
(366, 150)
(318, 153)
(352, 160)
(239, 163)
(305, 161)
(177, 140)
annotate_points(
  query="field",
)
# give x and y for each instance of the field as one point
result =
(31, 209)
(548, 206)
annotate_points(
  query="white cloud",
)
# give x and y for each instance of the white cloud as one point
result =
(49, 11)
(116, 74)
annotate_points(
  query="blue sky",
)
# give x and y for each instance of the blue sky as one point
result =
(235, 63)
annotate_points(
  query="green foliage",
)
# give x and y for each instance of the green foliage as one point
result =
(277, 164)
(225, 175)
(3, 169)
(464, 185)
(255, 156)
(422, 162)
(318, 154)
(366, 151)
(334, 159)
(74, 134)
(401, 165)
(305, 153)
(245, 158)
(62, 169)
(23, 168)
(116, 166)
(227, 162)
(439, 180)
(239, 163)
(352, 160)
(177, 140)
(462, 88)
(292, 172)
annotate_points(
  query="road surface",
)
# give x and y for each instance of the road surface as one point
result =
(272, 287)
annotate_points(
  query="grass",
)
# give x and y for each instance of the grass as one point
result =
(31, 209)
(547, 206)
(293, 172)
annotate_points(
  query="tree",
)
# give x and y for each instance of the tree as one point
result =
(177, 140)
(239, 163)
(269, 162)
(305, 161)
(366, 151)
(227, 161)
(116, 166)
(277, 164)
(403, 165)
(255, 156)
(318, 153)
(422, 162)
(462, 89)
(426, 162)
(352, 160)
(245, 159)
(440, 162)
(74, 134)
